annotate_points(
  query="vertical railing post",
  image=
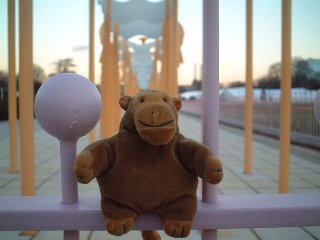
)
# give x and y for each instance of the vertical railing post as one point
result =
(69, 186)
(92, 134)
(285, 105)
(110, 117)
(210, 94)
(68, 106)
(316, 106)
(116, 79)
(28, 180)
(12, 87)
(249, 92)
(174, 50)
(154, 76)
(165, 59)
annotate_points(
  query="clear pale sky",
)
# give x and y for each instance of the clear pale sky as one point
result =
(60, 26)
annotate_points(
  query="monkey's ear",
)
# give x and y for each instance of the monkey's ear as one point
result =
(124, 102)
(177, 103)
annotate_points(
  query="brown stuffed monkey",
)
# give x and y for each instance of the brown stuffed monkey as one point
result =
(148, 167)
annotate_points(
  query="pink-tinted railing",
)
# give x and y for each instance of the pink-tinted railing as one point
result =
(245, 211)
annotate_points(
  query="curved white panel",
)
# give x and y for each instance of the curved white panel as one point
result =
(124, 12)
(146, 55)
(139, 27)
(144, 48)
(143, 82)
(145, 64)
(143, 71)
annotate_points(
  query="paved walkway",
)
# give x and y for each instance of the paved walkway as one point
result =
(305, 177)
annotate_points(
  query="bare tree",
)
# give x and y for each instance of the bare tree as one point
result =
(38, 73)
(64, 65)
(274, 70)
(236, 84)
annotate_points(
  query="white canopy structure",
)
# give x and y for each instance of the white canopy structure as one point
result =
(128, 11)
(138, 27)
(141, 41)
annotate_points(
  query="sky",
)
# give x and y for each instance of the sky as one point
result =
(61, 30)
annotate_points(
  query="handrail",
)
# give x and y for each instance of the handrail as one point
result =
(242, 211)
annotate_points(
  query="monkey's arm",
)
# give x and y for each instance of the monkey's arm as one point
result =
(94, 160)
(199, 160)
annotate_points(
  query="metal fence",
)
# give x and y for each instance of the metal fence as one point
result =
(267, 113)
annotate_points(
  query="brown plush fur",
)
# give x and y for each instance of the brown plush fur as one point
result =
(148, 167)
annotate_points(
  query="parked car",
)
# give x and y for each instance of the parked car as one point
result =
(191, 95)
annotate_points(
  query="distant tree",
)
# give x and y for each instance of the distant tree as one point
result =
(274, 71)
(38, 77)
(3, 75)
(263, 95)
(268, 82)
(302, 76)
(51, 75)
(64, 65)
(3, 79)
(3, 95)
(197, 84)
(38, 73)
(236, 84)
(301, 73)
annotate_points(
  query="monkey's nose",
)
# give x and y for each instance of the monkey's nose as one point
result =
(155, 113)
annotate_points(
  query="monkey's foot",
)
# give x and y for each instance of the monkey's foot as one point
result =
(177, 229)
(150, 235)
(119, 227)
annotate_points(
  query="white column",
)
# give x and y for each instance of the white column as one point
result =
(210, 93)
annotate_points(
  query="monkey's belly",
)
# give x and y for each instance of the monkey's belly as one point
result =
(146, 189)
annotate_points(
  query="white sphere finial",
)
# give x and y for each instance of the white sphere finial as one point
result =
(317, 106)
(68, 106)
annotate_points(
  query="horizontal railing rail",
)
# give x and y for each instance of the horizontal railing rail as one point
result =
(303, 120)
(242, 211)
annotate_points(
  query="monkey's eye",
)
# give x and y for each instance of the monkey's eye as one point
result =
(141, 99)
(165, 99)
